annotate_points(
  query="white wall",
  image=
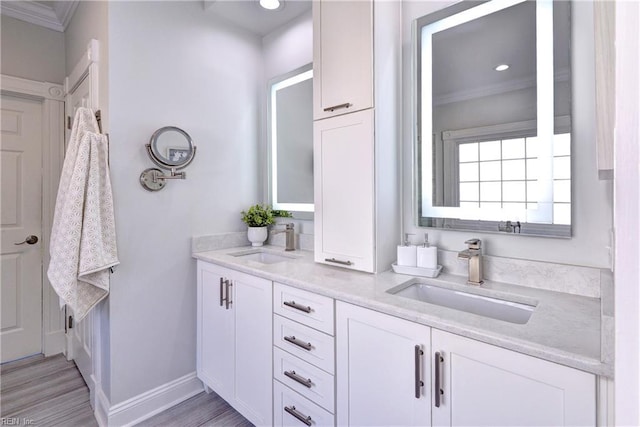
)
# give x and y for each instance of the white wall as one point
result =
(592, 199)
(31, 52)
(627, 214)
(170, 64)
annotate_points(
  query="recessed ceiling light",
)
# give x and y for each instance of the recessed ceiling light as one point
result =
(501, 67)
(271, 4)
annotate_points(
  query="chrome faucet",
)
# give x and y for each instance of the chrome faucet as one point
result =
(474, 254)
(290, 236)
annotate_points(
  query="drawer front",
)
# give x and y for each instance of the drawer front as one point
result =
(308, 344)
(305, 307)
(311, 382)
(291, 409)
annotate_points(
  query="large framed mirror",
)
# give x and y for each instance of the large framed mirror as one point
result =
(290, 142)
(493, 114)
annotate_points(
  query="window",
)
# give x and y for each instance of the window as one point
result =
(504, 173)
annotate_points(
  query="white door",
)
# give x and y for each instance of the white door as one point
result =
(253, 312)
(382, 369)
(215, 329)
(484, 385)
(344, 190)
(21, 156)
(80, 346)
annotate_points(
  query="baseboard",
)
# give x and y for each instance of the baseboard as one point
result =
(147, 404)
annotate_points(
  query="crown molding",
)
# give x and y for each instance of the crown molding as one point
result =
(54, 18)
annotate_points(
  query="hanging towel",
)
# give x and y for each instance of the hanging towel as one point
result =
(83, 238)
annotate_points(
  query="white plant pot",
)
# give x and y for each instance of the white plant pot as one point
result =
(257, 235)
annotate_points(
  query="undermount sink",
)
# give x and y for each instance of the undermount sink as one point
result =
(262, 256)
(495, 308)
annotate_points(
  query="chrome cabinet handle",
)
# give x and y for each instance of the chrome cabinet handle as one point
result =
(304, 381)
(339, 106)
(299, 415)
(30, 240)
(293, 340)
(418, 383)
(228, 301)
(438, 392)
(297, 306)
(337, 261)
(221, 292)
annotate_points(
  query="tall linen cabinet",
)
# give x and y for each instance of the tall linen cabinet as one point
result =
(357, 74)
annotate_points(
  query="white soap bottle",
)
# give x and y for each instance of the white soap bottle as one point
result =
(407, 253)
(427, 255)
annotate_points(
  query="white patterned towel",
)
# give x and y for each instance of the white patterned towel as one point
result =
(83, 237)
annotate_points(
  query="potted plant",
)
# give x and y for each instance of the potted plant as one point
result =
(258, 218)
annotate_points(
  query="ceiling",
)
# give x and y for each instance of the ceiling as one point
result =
(246, 14)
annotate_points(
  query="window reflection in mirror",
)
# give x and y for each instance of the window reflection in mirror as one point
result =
(494, 121)
(290, 131)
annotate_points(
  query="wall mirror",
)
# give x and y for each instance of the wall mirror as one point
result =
(290, 141)
(493, 114)
(170, 148)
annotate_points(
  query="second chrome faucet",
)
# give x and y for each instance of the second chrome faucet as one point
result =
(473, 253)
(290, 236)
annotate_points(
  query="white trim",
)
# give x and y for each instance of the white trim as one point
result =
(54, 18)
(31, 88)
(51, 96)
(86, 66)
(33, 13)
(147, 404)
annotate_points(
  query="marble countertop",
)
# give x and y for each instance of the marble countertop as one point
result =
(563, 328)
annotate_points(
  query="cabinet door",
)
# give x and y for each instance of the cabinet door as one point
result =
(342, 57)
(344, 191)
(215, 329)
(380, 378)
(252, 308)
(484, 385)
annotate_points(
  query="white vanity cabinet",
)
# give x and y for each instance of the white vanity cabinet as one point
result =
(382, 369)
(344, 190)
(466, 382)
(356, 193)
(234, 347)
(303, 358)
(343, 57)
(484, 385)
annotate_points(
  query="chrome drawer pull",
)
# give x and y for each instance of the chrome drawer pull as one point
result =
(437, 382)
(337, 107)
(221, 292)
(304, 381)
(297, 306)
(293, 340)
(337, 261)
(418, 383)
(300, 416)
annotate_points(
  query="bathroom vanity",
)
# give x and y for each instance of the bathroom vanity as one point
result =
(282, 339)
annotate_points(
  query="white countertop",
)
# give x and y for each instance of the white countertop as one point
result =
(563, 328)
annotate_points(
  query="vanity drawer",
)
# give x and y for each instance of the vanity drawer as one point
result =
(291, 409)
(308, 344)
(311, 382)
(305, 307)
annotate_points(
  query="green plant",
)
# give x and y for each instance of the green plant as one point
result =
(262, 215)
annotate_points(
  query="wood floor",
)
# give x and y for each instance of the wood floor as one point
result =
(44, 392)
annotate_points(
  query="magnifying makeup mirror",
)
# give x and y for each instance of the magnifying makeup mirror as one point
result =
(170, 148)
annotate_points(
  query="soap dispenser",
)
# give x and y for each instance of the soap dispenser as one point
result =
(407, 253)
(427, 255)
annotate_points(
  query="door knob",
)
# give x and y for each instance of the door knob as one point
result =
(30, 240)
